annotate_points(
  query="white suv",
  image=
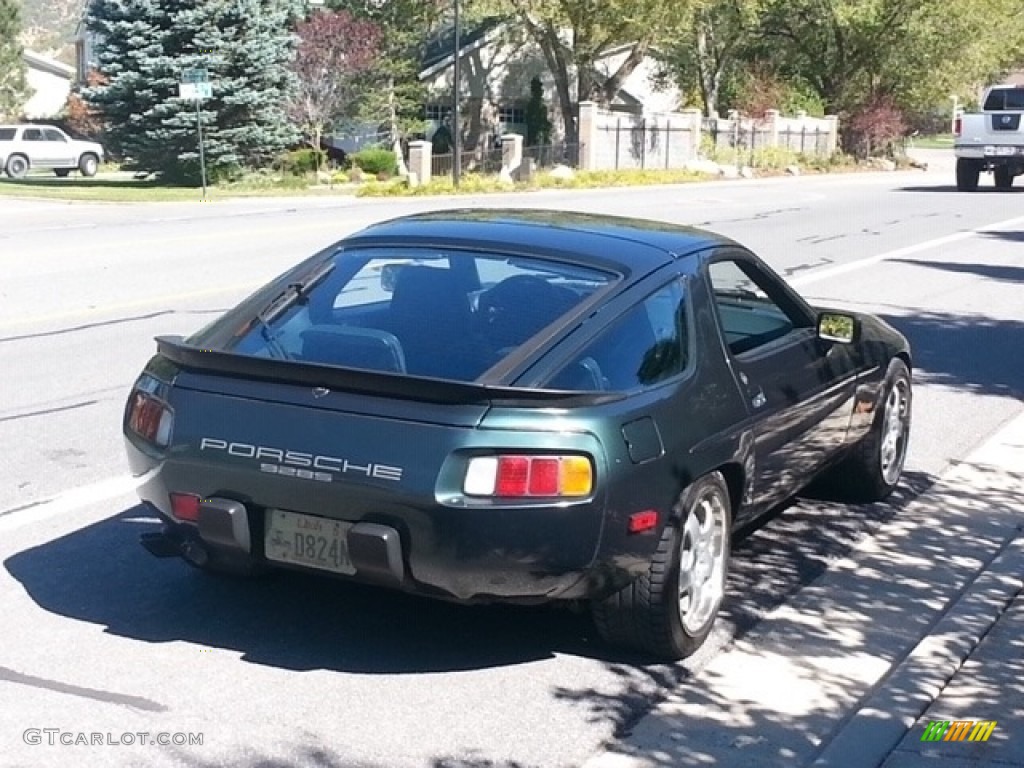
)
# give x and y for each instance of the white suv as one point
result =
(24, 147)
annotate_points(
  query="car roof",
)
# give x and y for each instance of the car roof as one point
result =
(625, 244)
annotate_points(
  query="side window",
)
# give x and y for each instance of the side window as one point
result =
(7, 134)
(52, 135)
(32, 134)
(644, 347)
(751, 310)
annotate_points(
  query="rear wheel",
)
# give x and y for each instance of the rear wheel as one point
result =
(670, 610)
(1004, 177)
(17, 166)
(967, 173)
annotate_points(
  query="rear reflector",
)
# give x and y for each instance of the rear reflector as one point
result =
(529, 476)
(185, 507)
(643, 521)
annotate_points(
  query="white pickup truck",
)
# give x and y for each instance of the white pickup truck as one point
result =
(991, 140)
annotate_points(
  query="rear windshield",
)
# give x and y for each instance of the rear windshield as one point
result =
(1005, 98)
(449, 315)
(7, 134)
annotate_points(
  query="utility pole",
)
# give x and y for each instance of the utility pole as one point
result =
(456, 122)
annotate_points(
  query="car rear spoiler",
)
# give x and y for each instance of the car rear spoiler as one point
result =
(178, 351)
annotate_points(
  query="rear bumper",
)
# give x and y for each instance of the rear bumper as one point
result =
(993, 153)
(452, 554)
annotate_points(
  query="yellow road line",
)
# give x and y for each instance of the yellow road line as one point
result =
(126, 305)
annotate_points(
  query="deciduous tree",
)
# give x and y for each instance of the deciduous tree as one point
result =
(335, 48)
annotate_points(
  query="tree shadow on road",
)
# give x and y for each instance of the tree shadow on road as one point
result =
(1006, 272)
(974, 353)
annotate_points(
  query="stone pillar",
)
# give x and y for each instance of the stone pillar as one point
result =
(420, 160)
(695, 124)
(771, 119)
(833, 133)
(587, 126)
(511, 152)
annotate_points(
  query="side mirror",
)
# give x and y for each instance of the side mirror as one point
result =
(837, 327)
(389, 276)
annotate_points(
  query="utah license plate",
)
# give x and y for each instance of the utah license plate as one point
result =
(314, 542)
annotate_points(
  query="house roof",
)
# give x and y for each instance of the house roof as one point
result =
(440, 47)
(38, 61)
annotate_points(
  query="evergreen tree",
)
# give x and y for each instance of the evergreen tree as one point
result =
(245, 46)
(13, 86)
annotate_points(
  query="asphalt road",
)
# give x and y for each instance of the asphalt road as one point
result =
(99, 637)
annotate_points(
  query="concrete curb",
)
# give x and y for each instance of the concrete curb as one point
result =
(892, 709)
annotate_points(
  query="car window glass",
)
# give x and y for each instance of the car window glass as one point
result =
(32, 134)
(1005, 99)
(420, 312)
(7, 134)
(52, 135)
(749, 315)
(644, 347)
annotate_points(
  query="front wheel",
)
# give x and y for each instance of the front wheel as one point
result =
(967, 173)
(88, 165)
(669, 611)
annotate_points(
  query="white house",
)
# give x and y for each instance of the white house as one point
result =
(498, 61)
(49, 84)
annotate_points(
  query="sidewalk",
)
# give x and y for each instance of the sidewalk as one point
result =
(924, 621)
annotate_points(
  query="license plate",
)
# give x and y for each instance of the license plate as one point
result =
(1002, 151)
(313, 542)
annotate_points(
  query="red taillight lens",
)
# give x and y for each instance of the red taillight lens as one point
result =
(513, 476)
(958, 125)
(150, 418)
(185, 507)
(529, 476)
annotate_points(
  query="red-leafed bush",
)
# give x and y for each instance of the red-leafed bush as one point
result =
(873, 128)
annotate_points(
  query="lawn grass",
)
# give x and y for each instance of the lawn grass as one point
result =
(129, 190)
(937, 141)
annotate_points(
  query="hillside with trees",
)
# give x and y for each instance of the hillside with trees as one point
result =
(49, 27)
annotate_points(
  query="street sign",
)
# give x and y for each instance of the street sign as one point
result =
(194, 76)
(195, 91)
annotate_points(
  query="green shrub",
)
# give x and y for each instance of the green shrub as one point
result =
(300, 161)
(375, 160)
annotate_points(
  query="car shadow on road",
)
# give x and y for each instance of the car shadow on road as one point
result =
(952, 188)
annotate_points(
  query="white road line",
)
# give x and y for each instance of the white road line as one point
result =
(841, 269)
(69, 501)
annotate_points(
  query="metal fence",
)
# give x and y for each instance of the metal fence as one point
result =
(748, 137)
(550, 155)
(628, 143)
(482, 161)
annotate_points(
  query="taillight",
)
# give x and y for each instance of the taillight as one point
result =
(958, 124)
(518, 476)
(148, 416)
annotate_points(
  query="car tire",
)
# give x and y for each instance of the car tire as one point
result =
(654, 614)
(967, 174)
(873, 469)
(88, 165)
(17, 166)
(1003, 177)
(62, 173)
